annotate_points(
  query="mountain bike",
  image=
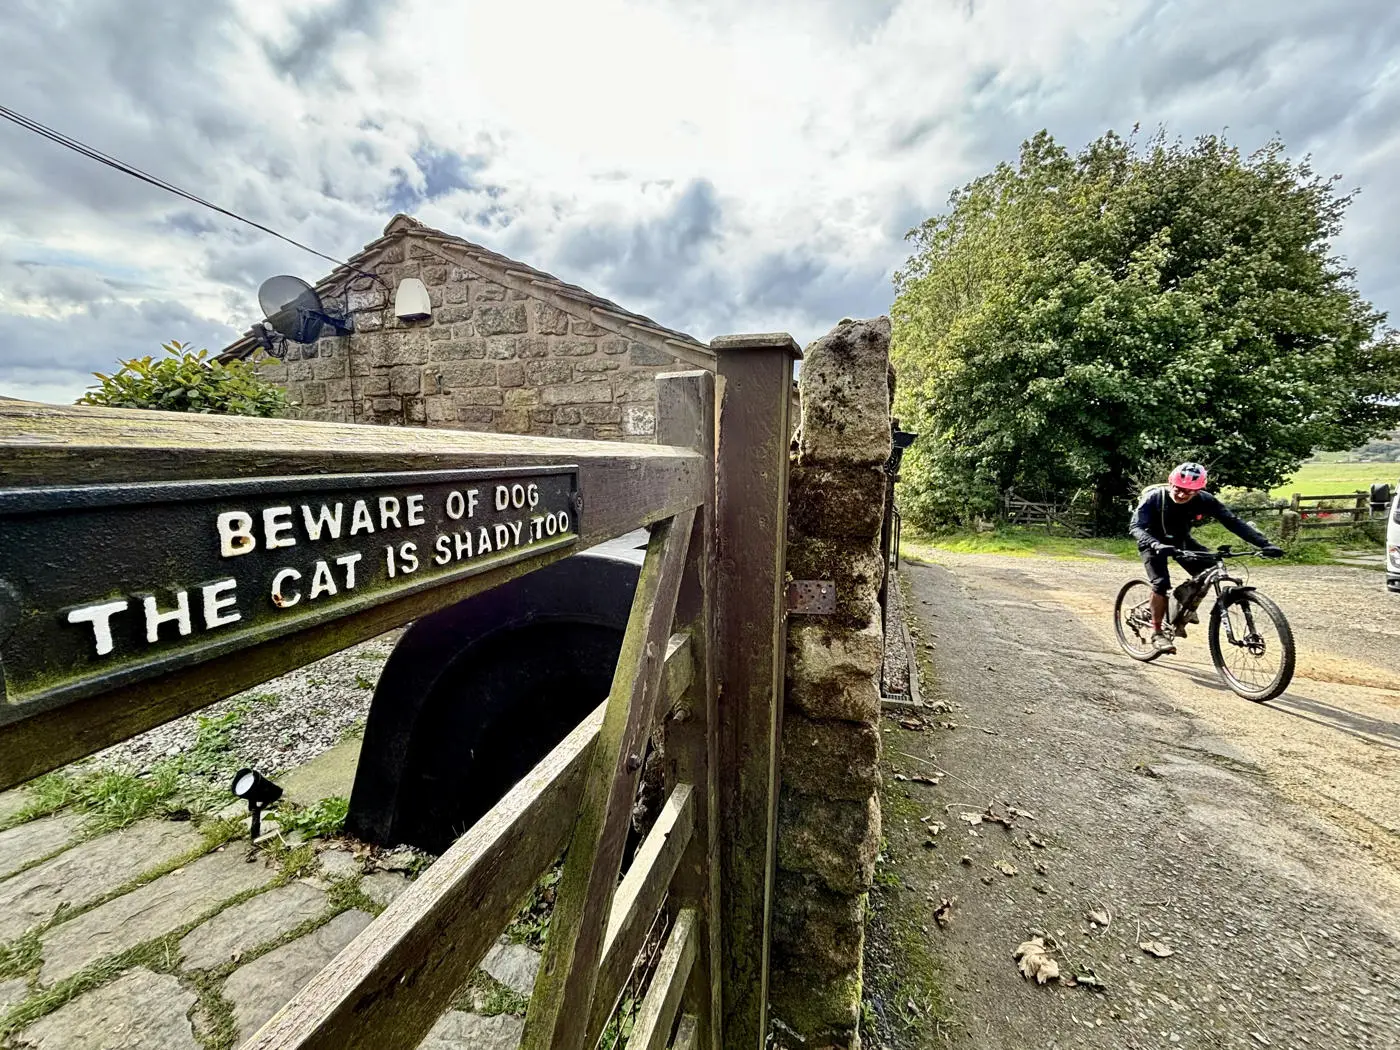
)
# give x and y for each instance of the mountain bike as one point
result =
(1251, 643)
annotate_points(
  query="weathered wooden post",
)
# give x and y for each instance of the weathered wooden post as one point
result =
(755, 394)
(1288, 528)
(685, 416)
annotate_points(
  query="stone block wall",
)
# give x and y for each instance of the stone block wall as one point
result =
(829, 809)
(489, 358)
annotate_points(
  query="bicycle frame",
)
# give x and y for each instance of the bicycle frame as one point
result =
(1215, 578)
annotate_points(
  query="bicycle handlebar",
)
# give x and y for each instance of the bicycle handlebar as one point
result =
(1216, 555)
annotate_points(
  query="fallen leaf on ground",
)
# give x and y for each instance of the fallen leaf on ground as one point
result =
(936, 828)
(972, 818)
(1099, 916)
(943, 914)
(966, 860)
(1036, 841)
(1156, 948)
(919, 778)
(1034, 962)
(1005, 868)
(913, 723)
(1040, 869)
(1016, 811)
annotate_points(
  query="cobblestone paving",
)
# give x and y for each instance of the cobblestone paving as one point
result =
(158, 937)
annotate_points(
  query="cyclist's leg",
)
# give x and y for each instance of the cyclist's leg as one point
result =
(1159, 579)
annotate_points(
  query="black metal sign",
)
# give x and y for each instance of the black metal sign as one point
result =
(103, 585)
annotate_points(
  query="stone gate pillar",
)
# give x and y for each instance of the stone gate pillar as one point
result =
(829, 810)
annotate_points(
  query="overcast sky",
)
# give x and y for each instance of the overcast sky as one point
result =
(721, 165)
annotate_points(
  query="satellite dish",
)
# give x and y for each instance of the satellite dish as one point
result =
(294, 310)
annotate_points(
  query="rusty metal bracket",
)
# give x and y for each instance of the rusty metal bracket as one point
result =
(811, 597)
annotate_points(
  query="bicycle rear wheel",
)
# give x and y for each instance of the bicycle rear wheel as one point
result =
(1132, 620)
(1255, 655)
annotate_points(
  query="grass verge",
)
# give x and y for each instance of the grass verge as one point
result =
(1019, 541)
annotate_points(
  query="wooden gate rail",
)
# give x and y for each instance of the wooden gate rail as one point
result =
(564, 989)
(49, 449)
(390, 985)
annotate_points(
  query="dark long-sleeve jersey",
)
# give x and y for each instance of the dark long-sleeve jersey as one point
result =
(1161, 519)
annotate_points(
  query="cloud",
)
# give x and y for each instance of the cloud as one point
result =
(636, 256)
(58, 354)
(303, 51)
(720, 165)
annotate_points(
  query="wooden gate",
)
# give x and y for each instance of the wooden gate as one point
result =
(151, 564)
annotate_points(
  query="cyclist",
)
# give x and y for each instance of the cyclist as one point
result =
(1162, 526)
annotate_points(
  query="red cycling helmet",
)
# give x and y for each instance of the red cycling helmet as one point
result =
(1189, 476)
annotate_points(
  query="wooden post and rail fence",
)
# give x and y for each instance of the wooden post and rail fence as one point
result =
(1296, 517)
(151, 564)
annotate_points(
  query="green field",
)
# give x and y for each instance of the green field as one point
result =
(1319, 479)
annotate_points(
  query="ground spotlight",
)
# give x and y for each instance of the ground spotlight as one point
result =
(258, 792)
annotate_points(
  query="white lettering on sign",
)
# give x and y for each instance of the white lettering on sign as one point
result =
(180, 615)
(327, 521)
(360, 521)
(277, 526)
(171, 612)
(217, 599)
(389, 512)
(348, 562)
(403, 561)
(100, 616)
(322, 582)
(235, 533)
(280, 597)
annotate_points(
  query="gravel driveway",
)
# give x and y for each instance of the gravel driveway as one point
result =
(1258, 844)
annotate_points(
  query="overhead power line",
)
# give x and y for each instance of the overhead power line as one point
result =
(85, 150)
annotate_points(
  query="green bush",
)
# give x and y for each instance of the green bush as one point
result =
(187, 381)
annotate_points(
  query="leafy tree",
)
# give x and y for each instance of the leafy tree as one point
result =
(186, 381)
(1079, 322)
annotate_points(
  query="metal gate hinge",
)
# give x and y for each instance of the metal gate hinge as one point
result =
(811, 597)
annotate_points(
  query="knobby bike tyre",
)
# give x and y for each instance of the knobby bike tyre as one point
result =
(1262, 604)
(1125, 602)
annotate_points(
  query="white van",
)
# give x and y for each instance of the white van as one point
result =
(1392, 546)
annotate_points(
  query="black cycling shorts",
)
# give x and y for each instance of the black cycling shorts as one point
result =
(1158, 573)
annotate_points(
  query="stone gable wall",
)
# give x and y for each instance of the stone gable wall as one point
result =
(488, 359)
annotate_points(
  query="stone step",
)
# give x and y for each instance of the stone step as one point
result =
(23, 845)
(457, 1029)
(89, 870)
(12, 801)
(260, 920)
(139, 1011)
(264, 986)
(154, 909)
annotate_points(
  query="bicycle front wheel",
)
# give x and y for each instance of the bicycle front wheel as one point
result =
(1251, 645)
(1132, 621)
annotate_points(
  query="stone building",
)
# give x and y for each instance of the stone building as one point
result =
(496, 346)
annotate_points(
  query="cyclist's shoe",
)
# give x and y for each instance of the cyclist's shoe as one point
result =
(1181, 631)
(1162, 643)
